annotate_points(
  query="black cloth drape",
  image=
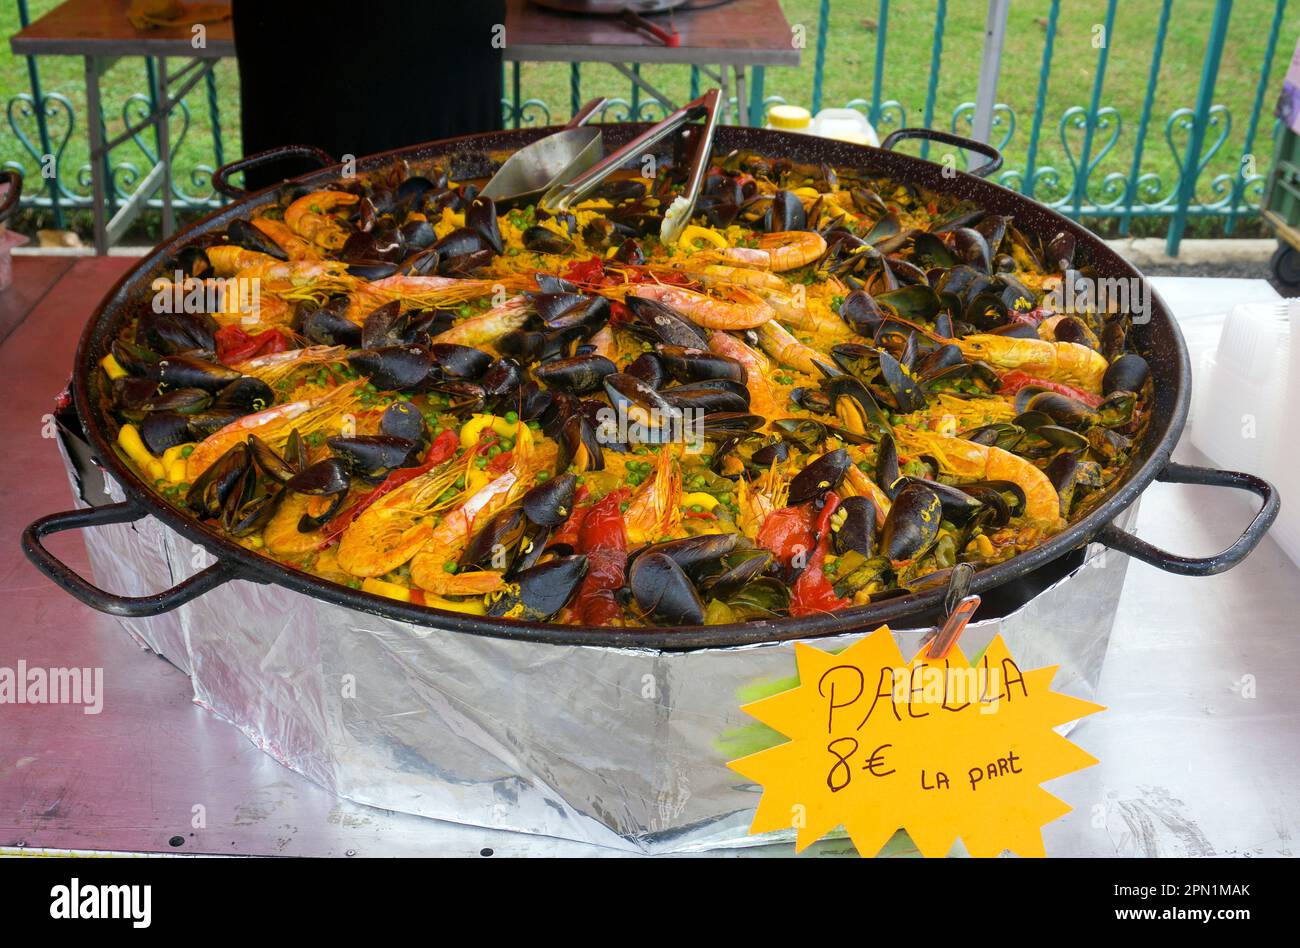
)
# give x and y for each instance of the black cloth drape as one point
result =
(362, 77)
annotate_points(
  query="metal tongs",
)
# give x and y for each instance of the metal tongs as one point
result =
(561, 197)
(554, 159)
(960, 605)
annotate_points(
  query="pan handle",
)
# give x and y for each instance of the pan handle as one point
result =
(934, 135)
(132, 607)
(221, 177)
(1117, 539)
(15, 180)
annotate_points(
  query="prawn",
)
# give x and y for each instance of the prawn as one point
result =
(308, 217)
(1066, 362)
(731, 308)
(396, 526)
(655, 510)
(229, 259)
(309, 280)
(758, 498)
(762, 401)
(781, 345)
(487, 328)
(281, 534)
(277, 366)
(419, 291)
(284, 238)
(273, 425)
(978, 462)
(779, 251)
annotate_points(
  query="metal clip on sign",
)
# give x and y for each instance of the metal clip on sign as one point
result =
(960, 606)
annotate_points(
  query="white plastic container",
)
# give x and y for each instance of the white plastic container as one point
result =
(1241, 419)
(848, 125)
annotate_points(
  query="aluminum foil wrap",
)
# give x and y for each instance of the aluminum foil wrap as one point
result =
(615, 747)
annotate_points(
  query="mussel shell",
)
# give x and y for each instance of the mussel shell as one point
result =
(269, 462)
(550, 503)
(906, 392)
(862, 313)
(161, 430)
(578, 375)
(372, 457)
(648, 369)
(481, 215)
(246, 394)
(642, 404)
(693, 554)
(193, 333)
(394, 368)
(662, 322)
(706, 397)
(208, 494)
(328, 326)
(497, 542)
(958, 505)
(579, 444)
(663, 591)
(543, 240)
(912, 525)
(250, 506)
(691, 364)
(329, 476)
(785, 213)
(184, 401)
(853, 526)
(541, 591)
(1062, 409)
(1128, 373)
(403, 420)
(178, 371)
(459, 362)
(822, 475)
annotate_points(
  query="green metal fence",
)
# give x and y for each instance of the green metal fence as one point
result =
(1100, 168)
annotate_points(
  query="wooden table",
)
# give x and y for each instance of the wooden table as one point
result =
(723, 42)
(739, 35)
(99, 32)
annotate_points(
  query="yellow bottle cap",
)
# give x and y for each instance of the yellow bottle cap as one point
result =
(792, 117)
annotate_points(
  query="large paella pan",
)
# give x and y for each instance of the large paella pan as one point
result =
(854, 371)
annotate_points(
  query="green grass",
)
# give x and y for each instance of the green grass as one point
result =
(851, 44)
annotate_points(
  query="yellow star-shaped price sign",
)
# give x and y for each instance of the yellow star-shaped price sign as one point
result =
(942, 749)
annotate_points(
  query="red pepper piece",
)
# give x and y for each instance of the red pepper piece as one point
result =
(235, 345)
(788, 532)
(812, 591)
(603, 538)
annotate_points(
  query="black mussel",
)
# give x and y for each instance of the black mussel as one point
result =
(785, 213)
(541, 239)
(538, 593)
(929, 251)
(580, 445)
(373, 457)
(481, 215)
(740, 569)
(412, 190)
(707, 397)
(385, 325)
(326, 477)
(644, 407)
(1116, 409)
(250, 506)
(661, 322)
(184, 401)
(721, 425)
(246, 395)
(161, 430)
(912, 525)
(550, 502)
(853, 526)
(394, 368)
(630, 252)
(328, 326)
(269, 462)
(972, 249)
(648, 368)
(958, 506)
(887, 472)
(244, 234)
(995, 511)
(179, 332)
(370, 270)
(993, 227)
(600, 234)
(379, 245)
(532, 400)
(822, 475)
(1061, 471)
(554, 308)
(989, 493)
(205, 423)
(130, 393)
(1073, 329)
(178, 371)
(663, 591)
(769, 454)
(403, 420)
(459, 362)
(496, 544)
(618, 190)
(1016, 328)
(903, 388)
(461, 251)
(1063, 410)
(208, 494)
(1128, 373)
(1059, 251)
(914, 302)
(690, 364)
(937, 360)
(417, 236)
(193, 262)
(502, 378)
(694, 554)
(579, 375)
(855, 406)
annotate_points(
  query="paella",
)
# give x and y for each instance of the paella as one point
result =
(830, 390)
